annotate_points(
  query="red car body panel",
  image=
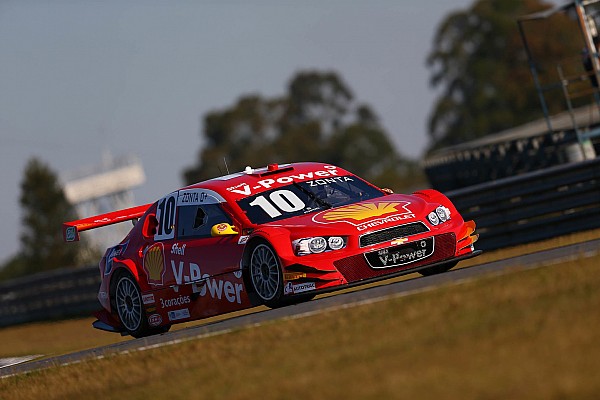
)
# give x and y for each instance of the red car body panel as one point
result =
(185, 278)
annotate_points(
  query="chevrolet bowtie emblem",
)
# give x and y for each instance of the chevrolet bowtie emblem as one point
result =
(396, 242)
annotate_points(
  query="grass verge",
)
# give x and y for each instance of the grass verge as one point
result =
(531, 334)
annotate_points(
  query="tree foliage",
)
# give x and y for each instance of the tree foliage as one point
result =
(44, 209)
(318, 119)
(479, 64)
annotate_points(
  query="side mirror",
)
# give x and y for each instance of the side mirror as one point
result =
(223, 229)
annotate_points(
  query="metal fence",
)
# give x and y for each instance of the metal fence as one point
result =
(534, 206)
(63, 293)
(511, 211)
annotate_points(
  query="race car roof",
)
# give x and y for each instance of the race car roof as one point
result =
(253, 181)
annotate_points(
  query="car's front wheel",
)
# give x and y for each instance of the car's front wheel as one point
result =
(265, 273)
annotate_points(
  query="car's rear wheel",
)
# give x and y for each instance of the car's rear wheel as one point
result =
(438, 269)
(130, 309)
(265, 273)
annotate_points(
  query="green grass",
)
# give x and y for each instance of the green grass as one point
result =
(530, 334)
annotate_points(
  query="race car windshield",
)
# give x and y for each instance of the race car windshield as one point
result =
(301, 198)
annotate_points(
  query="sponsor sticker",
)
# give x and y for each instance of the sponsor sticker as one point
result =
(178, 250)
(176, 315)
(243, 239)
(303, 287)
(367, 215)
(290, 276)
(222, 227)
(154, 320)
(177, 301)
(191, 197)
(71, 234)
(401, 255)
(148, 298)
(116, 251)
(215, 287)
(288, 289)
(154, 264)
(327, 181)
(245, 189)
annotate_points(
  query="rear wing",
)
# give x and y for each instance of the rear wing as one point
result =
(71, 229)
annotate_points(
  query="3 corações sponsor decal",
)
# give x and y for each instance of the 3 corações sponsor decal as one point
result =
(176, 301)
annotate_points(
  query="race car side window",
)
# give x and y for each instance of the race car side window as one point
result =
(196, 221)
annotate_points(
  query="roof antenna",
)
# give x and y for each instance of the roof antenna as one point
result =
(226, 167)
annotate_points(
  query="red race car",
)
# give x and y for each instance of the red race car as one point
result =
(275, 236)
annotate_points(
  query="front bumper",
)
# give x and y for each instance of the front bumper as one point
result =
(332, 287)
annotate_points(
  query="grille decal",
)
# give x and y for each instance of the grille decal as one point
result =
(355, 268)
(389, 234)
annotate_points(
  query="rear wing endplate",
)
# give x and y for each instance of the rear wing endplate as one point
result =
(71, 229)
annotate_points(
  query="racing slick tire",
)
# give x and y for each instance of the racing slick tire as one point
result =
(265, 274)
(438, 269)
(128, 303)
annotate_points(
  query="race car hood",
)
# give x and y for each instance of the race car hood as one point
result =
(363, 216)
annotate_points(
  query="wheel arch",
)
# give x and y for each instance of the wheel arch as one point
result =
(434, 196)
(270, 237)
(121, 268)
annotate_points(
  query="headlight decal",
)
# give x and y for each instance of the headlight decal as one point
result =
(318, 244)
(439, 216)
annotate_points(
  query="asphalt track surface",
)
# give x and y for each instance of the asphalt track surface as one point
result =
(342, 300)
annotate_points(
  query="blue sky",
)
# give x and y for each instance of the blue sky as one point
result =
(78, 78)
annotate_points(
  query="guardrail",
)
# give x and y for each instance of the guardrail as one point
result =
(534, 206)
(64, 293)
(511, 211)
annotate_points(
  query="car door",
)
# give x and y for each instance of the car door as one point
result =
(186, 248)
(197, 246)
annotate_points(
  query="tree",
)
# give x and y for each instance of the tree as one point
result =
(479, 63)
(44, 209)
(317, 119)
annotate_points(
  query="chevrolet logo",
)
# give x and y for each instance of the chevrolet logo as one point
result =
(399, 241)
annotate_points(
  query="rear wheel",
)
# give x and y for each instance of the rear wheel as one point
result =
(129, 305)
(438, 269)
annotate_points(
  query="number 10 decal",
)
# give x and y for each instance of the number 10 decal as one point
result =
(281, 200)
(165, 214)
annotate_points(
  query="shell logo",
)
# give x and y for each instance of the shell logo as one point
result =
(154, 264)
(361, 212)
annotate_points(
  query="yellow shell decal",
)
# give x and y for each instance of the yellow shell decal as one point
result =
(361, 212)
(154, 264)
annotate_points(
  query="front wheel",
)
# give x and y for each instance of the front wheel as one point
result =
(266, 277)
(128, 301)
